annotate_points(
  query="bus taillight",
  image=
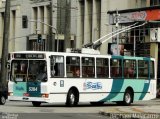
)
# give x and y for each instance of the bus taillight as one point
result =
(45, 95)
(26, 94)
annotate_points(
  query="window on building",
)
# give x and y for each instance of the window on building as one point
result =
(73, 66)
(154, 2)
(139, 36)
(57, 66)
(88, 67)
(102, 68)
(24, 22)
(35, 46)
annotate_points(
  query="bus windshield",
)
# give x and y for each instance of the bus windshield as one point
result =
(28, 70)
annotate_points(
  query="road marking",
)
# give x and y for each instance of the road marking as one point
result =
(140, 110)
(120, 111)
(114, 110)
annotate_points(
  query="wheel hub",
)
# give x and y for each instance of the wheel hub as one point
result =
(128, 98)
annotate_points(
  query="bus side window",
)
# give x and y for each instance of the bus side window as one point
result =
(73, 66)
(102, 68)
(129, 68)
(116, 68)
(143, 69)
(152, 69)
(88, 67)
(57, 66)
(52, 63)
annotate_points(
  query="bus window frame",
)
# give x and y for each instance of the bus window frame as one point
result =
(86, 75)
(130, 72)
(74, 68)
(116, 68)
(52, 73)
(153, 69)
(140, 67)
(106, 67)
(27, 75)
(12, 78)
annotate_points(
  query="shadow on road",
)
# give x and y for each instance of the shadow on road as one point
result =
(107, 104)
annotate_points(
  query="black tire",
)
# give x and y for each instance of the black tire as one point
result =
(97, 103)
(128, 98)
(2, 100)
(119, 103)
(72, 98)
(36, 104)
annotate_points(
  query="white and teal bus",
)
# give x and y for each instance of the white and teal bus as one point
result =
(70, 78)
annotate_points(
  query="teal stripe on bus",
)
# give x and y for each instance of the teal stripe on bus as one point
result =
(147, 84)
(145, 90)
(116, 87)
(19, 88)
(117, 84)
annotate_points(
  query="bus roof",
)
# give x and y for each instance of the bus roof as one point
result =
(79, 54)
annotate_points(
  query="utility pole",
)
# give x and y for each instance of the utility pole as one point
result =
(117, 27)
(67, 37)
(51, 40)
(3, 78)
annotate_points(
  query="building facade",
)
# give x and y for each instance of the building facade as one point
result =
(96, 18)
(93, 20)
(89, 22)
(28, 18)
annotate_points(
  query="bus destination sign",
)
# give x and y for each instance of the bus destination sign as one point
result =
(29, 56)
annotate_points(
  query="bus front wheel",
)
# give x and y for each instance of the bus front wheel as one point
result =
(36, 104)
(72, 98)
(128, 97)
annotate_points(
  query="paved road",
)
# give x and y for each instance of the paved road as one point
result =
(152, 106)
(82, 111)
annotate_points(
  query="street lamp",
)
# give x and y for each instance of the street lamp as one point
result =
(49, 26)
(117, 27)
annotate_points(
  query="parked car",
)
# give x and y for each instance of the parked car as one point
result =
(158, 93)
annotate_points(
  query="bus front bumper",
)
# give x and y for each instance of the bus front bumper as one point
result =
(28, 99)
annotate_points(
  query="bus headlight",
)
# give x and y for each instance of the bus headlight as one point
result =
(45, 95)
(10, 93)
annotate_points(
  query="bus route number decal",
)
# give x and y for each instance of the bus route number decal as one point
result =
(33, 89)
(92, 85)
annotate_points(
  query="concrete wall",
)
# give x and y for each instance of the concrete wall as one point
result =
(88, 20)
(18, 35)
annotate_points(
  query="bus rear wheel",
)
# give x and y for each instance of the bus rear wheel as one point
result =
(36, 104)
(72, 98)
(128, 98)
